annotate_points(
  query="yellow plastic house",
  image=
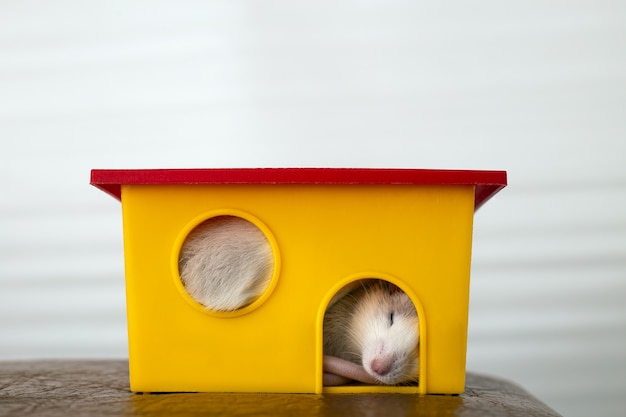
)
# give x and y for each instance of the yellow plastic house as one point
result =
(327, 228)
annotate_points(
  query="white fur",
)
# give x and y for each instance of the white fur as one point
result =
(226, 263)
(359, 328)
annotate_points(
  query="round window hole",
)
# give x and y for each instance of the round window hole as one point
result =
(226, 263)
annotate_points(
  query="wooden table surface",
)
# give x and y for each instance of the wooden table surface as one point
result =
(100, 388)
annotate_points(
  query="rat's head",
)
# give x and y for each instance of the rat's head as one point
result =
(386, 329)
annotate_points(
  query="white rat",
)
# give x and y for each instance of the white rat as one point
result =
(376, 326)
(226, 263)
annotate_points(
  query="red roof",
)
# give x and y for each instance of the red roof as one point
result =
(487, 183)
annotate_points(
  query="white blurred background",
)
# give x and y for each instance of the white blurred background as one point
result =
(537, 88)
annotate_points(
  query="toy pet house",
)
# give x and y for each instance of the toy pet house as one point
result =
(327, 228)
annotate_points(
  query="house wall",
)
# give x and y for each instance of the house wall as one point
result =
(536, 88)
(323, 236)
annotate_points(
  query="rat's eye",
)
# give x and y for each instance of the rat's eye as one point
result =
(391, 319)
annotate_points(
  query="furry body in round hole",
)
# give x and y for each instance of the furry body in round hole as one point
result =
(226, 263)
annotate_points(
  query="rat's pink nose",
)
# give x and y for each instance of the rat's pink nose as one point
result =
(381, 365)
